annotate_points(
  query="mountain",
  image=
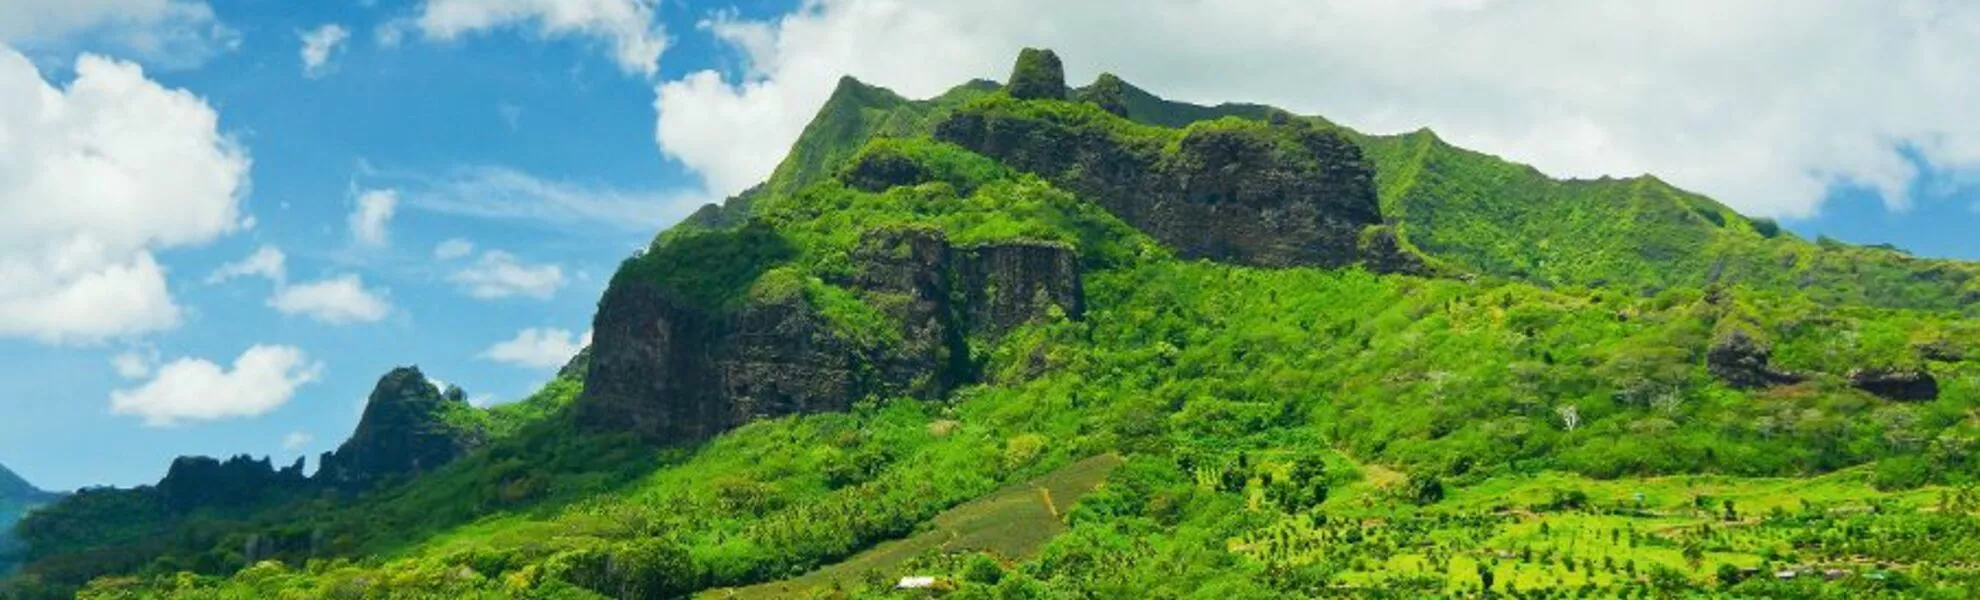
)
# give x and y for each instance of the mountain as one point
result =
(1036, 341)
(17, 497)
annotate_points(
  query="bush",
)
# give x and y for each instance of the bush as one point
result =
(1903, 473)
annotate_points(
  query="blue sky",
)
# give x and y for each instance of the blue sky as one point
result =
(543, 140)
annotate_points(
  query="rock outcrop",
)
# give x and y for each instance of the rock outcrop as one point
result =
(406, 429)
(1038, 74)
(1742, 362)
(1280, 193)
(199, 481)
(675, 371)
(1904, 385)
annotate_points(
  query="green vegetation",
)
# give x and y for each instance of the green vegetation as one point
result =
(1637, 235)
(1626, 390)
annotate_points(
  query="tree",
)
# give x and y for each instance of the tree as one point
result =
(1485, 577)
(1570, 417)
(1426, 489)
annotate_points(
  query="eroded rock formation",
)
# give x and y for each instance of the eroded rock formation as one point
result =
(675, 371)
(1742, 362)
(405, 430)
(1905, 385)
(1277, 194)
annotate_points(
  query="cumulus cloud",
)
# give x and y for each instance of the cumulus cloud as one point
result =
(262, 379)
(1763, 104)
(498, 274)
(374, 211)
(539, 348)
(337, 301)
(452, 249)
(317, 46)
(267, 262)
(296, 440)
(137, 168)
(635, 38)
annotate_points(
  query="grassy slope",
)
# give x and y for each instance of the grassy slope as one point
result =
(1482, 214)
(1012, 523)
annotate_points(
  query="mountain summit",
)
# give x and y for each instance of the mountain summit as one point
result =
(12, 486)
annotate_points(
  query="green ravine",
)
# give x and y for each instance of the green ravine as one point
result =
(1542, 388)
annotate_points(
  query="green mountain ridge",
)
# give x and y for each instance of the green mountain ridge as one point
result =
(1314, 362)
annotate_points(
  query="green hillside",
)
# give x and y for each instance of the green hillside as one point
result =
(1234, 352)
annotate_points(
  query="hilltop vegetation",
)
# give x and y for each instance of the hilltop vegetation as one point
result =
(1313, 363)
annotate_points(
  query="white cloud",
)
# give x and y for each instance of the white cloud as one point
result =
(628, 26)
(374, 211)
(452, 249)
(498, 274)
(337, 301)
(164, 33)
(317, 46)
(262, 379)
(132, 364)
(541, 348)
(507, 194)
(267, 262)
(137, 168)
(296, 440)
(1763, 104)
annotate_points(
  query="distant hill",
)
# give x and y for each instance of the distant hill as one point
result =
(17, 496)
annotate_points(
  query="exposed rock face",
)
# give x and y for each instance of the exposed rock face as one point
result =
(575, 368)
(1741, 362)
(1038, 74)
(404, 431)
(1287, 193)
(1383, 252)
(675, 372)
(1012, 283)
(199, 481)
(1904, 385)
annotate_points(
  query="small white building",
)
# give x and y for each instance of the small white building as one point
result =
(915, 583)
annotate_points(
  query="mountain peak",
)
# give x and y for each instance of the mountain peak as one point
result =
(13, 486)
(1038, 74)
(409, 426)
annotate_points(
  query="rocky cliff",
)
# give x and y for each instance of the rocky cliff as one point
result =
(675, 370)
(409, 427)
(1282, 192)
(196, 481)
